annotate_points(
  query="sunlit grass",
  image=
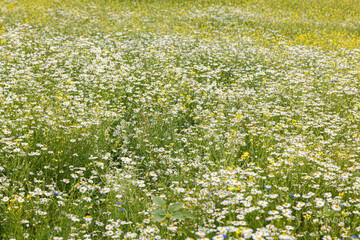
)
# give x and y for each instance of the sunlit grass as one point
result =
(241, 115)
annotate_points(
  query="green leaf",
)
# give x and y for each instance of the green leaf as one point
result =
(178, 215)
(158, 218)
(159, 212)
(159, 201)
(187, 214)
(175, 207)
(181, 232)
(331, 213)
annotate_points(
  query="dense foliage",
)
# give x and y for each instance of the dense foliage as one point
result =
(179, 119)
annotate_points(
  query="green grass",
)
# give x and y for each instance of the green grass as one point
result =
(244, 113)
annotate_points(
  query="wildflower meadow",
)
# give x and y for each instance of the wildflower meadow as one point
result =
(188, 120)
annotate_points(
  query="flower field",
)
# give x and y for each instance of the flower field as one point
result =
(165, 119)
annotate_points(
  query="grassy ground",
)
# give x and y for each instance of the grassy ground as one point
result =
(179, 119)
